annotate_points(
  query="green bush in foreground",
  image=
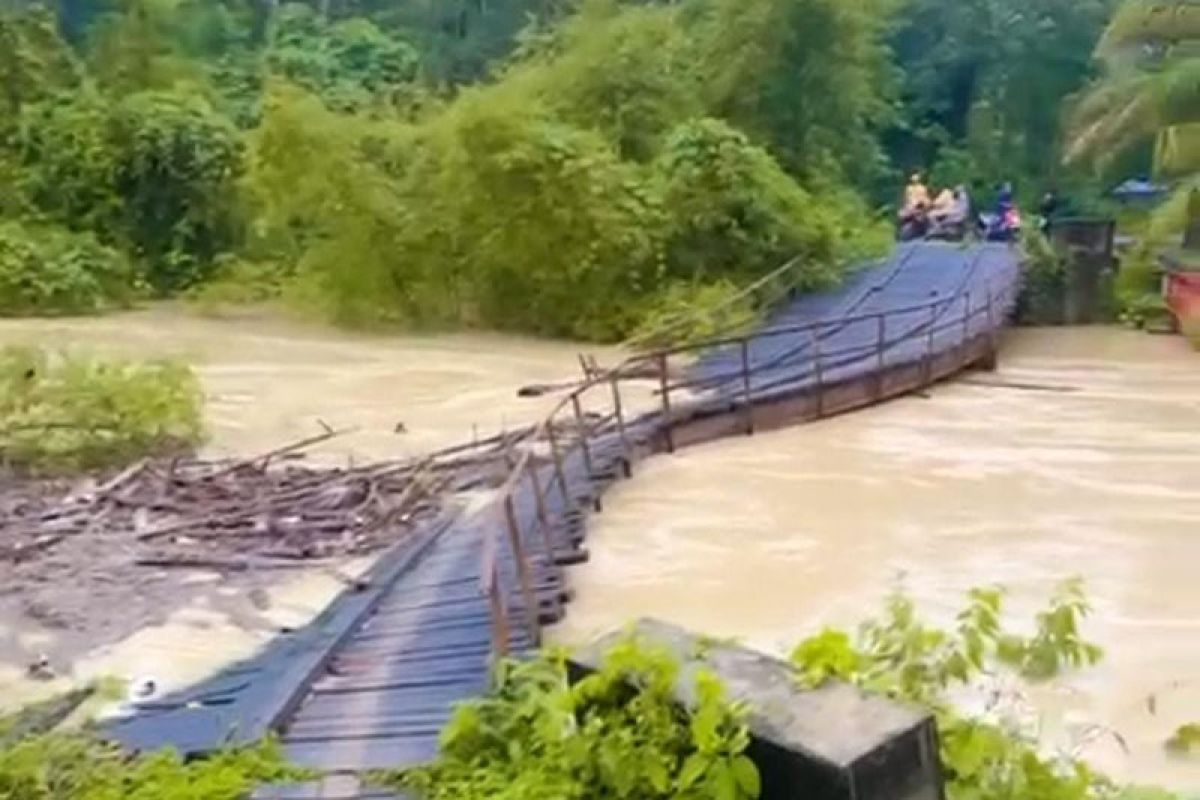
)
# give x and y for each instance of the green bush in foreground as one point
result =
(620, 734)
(63, 412)
(46, 270)
(984, 758)
(81, 767)
(617, 733)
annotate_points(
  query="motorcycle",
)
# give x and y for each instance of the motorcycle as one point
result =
(950, 230)
(914, 225)
(1005, 227)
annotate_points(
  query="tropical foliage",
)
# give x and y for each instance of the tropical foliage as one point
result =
(81, 767)
(68, 412)
(591, 172)
(983, 86)
(1149, 97)
(568, 167)
(989, 756)
(48, 270)
(618, 732)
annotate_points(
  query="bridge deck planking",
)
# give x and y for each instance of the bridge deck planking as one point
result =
(370, 684)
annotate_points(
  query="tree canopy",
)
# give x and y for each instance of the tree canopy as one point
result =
(557, 166)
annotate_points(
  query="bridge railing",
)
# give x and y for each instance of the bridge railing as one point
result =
(596, 417)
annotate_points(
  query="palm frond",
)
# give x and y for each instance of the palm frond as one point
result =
(1170, 218)
(1157, 22)
(1178, 150)
(1131, 107)
(1116, 115)
(1178, 89)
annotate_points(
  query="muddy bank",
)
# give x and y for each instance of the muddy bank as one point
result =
(1080, 456)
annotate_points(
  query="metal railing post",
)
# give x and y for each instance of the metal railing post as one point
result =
(818, 373)
(991, 359)
(583, 435)
(524, 573)
(966, 327)
(543, 516)
(665, 387)
(928, 379)
(991, 310)
(748, 400)
(559, 472)
(880, 353)
(619, 410)
(499, 617)
(966, 316)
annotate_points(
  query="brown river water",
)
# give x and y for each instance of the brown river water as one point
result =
(1091, 468)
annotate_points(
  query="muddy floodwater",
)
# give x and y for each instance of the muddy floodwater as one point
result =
(271, 382)
(1081, 456)
(1086, 463)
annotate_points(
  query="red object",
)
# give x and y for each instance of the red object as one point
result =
(1183, 295)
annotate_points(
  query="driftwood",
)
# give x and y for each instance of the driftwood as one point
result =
(240, 514)
(642, 370)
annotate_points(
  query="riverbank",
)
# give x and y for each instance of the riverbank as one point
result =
(1078, 457)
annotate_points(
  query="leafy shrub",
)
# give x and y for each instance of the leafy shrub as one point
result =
(37, 62)
(81, 767)
(1045, 286)
(734, 213)
(61, 413)
(1137, 287)
(177, 162)
(691, 313)
(620, 71)
(561, 236)
(616, 733)
(237, 282)
(1186, 739)
(153, 172)
(69, 164)
(985, 757)
(349, 64)
(46, 270)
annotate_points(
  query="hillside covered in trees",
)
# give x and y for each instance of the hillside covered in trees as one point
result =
(562, 167)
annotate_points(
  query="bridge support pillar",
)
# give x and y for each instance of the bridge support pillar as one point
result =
(832, 743)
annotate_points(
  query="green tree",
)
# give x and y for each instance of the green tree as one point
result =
(733, 212)
(983, 83)
(810, 78)
(35, 62)
(132, 48)
(348, 63)
(153, 172)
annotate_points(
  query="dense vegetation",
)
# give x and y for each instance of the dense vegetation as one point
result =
(64, 413)
(616, 733)
(567, 167)
(77, 766)
(1146, 103)
(596, 169)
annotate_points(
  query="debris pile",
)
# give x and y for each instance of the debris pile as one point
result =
(244, 514)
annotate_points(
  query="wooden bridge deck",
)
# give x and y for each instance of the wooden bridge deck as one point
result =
(370, 683)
